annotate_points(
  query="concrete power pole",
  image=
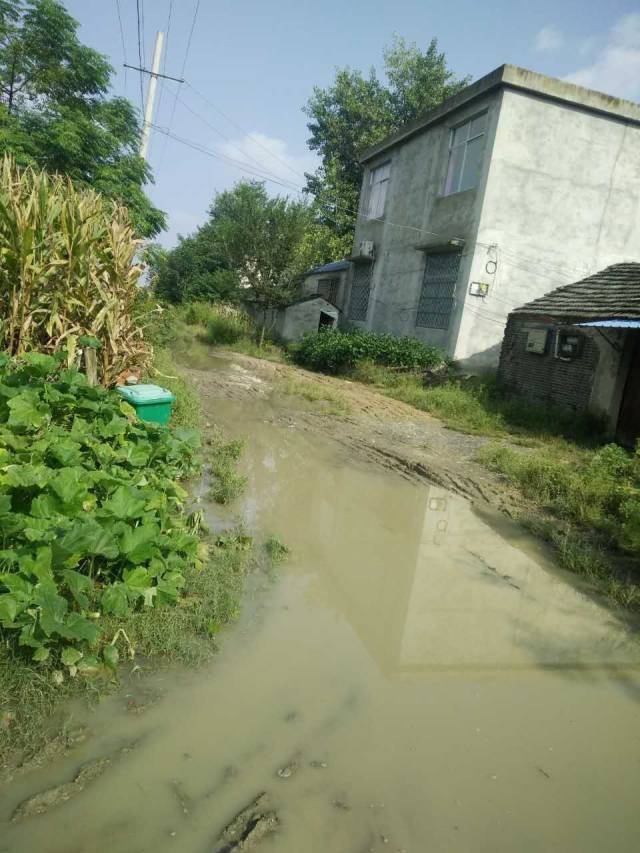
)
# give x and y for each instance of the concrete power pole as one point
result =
(151, 96)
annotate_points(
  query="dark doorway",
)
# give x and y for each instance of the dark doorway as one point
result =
(629, 418)
(326, 320)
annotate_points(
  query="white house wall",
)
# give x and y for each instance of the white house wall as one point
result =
(562, 201)
(416, 213)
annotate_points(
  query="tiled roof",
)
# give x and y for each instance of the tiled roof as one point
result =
(612, 292)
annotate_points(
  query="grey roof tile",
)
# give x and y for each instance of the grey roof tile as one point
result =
(613, 292)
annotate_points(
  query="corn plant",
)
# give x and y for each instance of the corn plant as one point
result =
(67, 271)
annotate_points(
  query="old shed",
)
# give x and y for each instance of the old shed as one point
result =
(290, 322)
(578, 347)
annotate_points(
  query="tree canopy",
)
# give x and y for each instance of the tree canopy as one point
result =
(356, 111)
(55, 113)
(252, 246)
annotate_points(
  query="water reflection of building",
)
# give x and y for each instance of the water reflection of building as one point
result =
(422, 580)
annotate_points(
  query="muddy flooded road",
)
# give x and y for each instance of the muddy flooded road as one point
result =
(414, 678)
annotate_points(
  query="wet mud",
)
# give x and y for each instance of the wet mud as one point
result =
(415, 678)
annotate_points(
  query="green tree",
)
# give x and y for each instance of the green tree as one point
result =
(251, 247)
(55, 113)
(356, 111)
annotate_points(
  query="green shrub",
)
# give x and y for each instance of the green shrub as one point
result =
(91, 513)
(334, 351)
(227, 325)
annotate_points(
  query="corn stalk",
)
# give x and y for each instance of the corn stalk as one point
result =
(66, 270)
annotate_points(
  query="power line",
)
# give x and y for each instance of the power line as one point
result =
(246, 132)
(184, 65)
(230, 142)
(122, 39)
(140, 57)
(219, 156)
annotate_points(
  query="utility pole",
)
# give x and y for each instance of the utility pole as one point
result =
(151, 95)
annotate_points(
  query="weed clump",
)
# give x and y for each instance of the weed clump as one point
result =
(227, 484)
(276, 550)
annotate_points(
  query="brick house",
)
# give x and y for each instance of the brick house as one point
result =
(578, 347)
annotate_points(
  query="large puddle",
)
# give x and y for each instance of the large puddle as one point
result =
(426, 683)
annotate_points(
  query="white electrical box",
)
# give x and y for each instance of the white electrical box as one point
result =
(367, 249)
(537, 341)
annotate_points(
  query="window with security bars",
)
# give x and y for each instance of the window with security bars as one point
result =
(360, 288)
(328, 287)
(438, 290)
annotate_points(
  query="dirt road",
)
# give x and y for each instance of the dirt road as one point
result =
(383, 431)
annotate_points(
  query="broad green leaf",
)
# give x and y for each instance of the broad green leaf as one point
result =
(116, 426)
(66, 451)
(138, 544)
(124, 503)
(27, 475)
(39, 364)
(46, 506)
(8, 608)
(37, 563)
(87, 538)
(5, 504)
(27, 411)
(137, 580)
(80, 586)
(41, 654)
(28, 636)
(17, 584)
(78, 627)
(89, 665)
(114, 600)
(70, 656)
(53, 608)
(189, 436)
(111, 656)
(149, 595)
(136, 455)
(70, 485)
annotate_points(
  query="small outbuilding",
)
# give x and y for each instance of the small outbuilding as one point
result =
(578, 347)
(290, 322)
(328, 281)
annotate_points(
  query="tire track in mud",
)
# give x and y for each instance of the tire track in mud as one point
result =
(378, 430)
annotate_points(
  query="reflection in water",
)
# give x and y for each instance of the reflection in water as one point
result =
(435, 687)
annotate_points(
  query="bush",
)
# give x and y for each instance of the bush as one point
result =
(91, 513)
(334, 351)
(227, 325)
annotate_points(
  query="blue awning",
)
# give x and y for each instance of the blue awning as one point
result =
(612, 324)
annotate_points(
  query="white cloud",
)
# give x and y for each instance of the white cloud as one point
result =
(548, 39)
(269, 156)
(616, 67)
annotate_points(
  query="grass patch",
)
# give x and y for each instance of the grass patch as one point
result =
(186, 409)
(316, 392)
(588, 557)
(227, 483)
(276, 551)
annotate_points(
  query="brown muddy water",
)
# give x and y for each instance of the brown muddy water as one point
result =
(425, 681)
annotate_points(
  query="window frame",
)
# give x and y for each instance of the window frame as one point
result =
(426, 311)
(357, 269)
(333, 288)
(369, 194)
(465, 145)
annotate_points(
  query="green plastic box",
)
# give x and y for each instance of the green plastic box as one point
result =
(151, 402)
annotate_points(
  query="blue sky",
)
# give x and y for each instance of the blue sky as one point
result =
(256, 62)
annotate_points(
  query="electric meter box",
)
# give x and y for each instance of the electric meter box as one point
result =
(537, 341)
(568, 346)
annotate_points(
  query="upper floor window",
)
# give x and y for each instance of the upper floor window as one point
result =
(377, 195)
(465, 155)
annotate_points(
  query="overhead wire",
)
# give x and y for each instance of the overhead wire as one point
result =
(124, 44)
(184, 66)
(140, 55)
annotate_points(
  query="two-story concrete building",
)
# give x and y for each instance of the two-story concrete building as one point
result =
(514, 186)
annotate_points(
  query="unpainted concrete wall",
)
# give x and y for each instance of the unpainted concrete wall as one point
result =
(416, 213)
(562, 201)
(292, 322)
(558, 199)
(310, 284)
